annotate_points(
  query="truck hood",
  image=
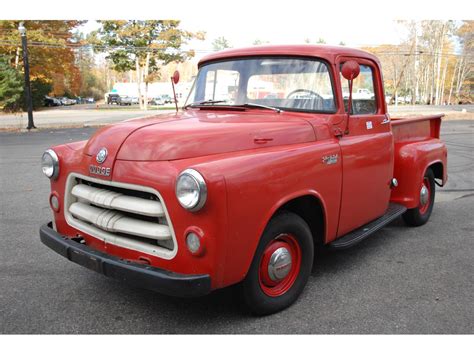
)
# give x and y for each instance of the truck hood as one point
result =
(197, 133)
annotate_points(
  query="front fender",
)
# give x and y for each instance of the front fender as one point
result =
(258, 183)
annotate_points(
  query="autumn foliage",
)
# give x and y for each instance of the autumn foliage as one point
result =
(51, 52)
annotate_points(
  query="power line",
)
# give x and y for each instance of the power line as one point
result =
(82, 46)
(88, 46)
(422, 54)
(99, 47)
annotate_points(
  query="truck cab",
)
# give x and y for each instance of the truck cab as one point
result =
(268, 160)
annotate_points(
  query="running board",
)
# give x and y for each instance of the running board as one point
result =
(394, 210)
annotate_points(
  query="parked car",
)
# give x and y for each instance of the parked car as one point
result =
(51, 101)
(89, 100)
(135, 100)
(113, 99)
(167, 99)
(243, 192)
(360, 94)
(158, 101)
(67, 101)
(125, 100)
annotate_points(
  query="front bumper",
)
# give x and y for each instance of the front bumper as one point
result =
(144, 276)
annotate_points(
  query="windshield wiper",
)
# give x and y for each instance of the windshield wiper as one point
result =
(250, 104)
(247, 104)
(205, 102)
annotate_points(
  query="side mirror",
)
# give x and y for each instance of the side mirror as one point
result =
(175, 77)
(350, 70)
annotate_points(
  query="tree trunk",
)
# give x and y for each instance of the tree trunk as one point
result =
(458, 79)
(443, 80)
(107, 78)
(440, 58)
(463, 70)
(427, 83)
(438, 69)
(452, 82)
(139, 82)
(401, 75)
(414, 96)
(17, 57)
(407, 81)
(432, 83)
(147, 65)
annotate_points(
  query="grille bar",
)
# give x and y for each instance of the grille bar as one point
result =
(118, 201)
(116, 222)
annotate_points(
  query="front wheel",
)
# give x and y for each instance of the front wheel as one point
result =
(281, 265)
(421, 214)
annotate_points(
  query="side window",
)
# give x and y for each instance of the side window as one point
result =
(222, 85)
(363, 93)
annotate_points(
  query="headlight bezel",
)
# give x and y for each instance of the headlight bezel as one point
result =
(55, 164)
(201, 189)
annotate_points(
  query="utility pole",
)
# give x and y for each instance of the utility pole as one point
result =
(29, 100)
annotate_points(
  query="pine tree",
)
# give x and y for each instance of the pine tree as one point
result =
(11, 85)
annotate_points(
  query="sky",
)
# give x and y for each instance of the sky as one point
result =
(243, 29)
(353, 32)
(356, 23)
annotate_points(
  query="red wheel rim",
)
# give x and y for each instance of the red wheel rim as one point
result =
(272, 287)
(424, 208)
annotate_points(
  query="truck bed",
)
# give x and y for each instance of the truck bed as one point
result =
(416, 128)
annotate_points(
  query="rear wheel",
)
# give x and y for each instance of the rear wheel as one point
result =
(421, 214)
(281, 265)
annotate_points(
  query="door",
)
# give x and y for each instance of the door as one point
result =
(367, 151)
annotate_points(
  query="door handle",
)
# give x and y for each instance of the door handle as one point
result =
(262, 140)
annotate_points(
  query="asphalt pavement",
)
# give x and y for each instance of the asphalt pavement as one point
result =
(400, 280)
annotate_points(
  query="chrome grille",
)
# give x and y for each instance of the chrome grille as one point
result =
(130, 216)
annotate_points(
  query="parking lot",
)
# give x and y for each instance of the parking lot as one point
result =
(400, 280)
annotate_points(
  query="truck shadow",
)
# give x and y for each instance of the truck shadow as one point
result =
(209, 314)
(333, 261)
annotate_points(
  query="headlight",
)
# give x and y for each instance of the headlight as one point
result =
(50, 164)
(191, 190)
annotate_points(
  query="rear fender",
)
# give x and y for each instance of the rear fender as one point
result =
(411, 162)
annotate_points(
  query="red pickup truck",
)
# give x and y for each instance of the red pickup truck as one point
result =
(271, 157)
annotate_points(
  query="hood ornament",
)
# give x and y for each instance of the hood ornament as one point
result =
(101, 155)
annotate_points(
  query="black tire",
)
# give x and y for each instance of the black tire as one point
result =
(420, 215)
(283, 224)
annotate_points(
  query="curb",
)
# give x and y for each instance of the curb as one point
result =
(90, 124)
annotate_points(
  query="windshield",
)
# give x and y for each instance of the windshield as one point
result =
(284, 83)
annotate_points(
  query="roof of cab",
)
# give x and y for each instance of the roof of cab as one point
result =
(307, 50)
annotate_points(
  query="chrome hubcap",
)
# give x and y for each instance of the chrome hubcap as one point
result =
(424, 194)
(280, 264)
